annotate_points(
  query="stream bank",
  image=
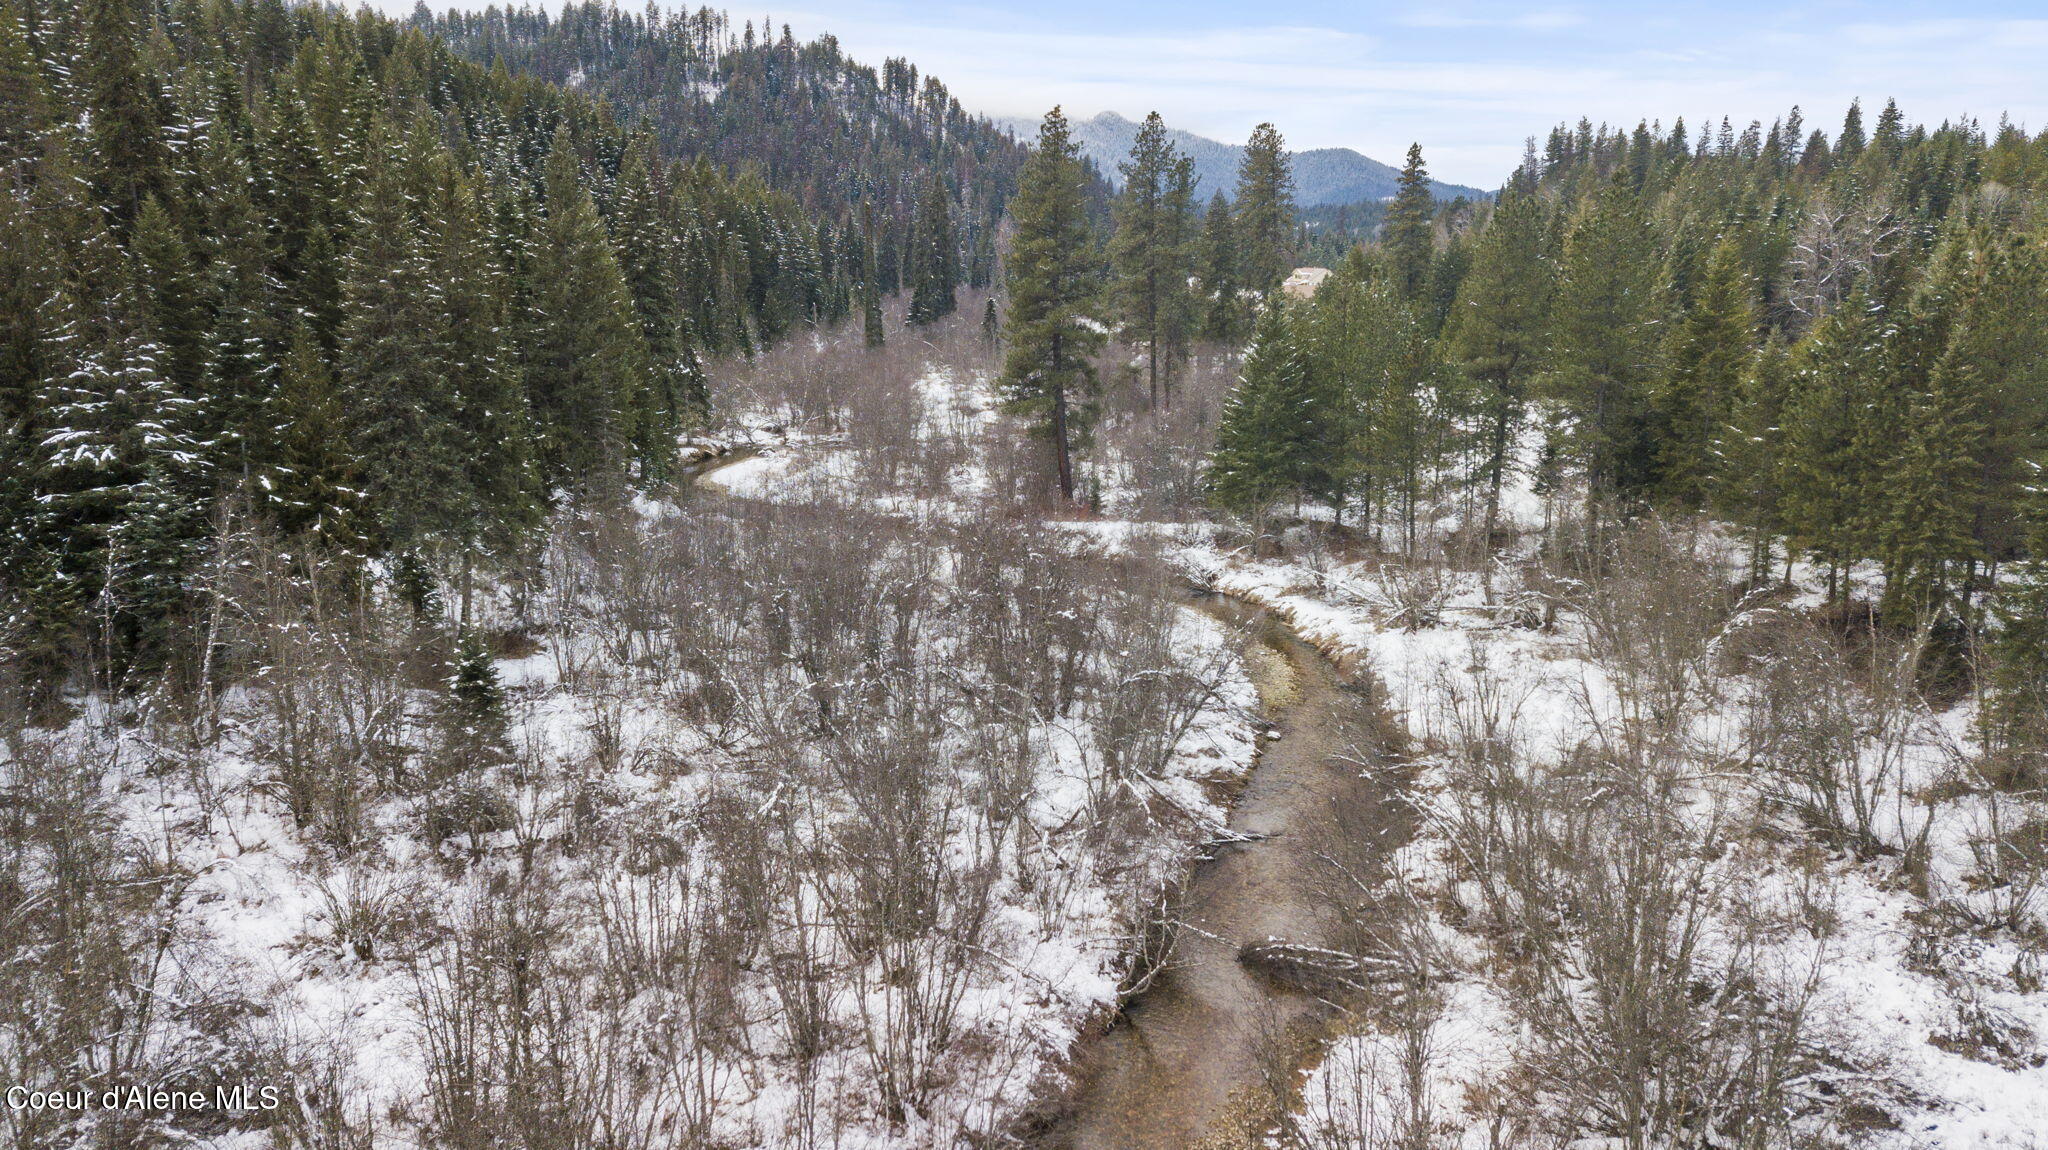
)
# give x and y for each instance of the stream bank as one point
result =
(1200, 1057)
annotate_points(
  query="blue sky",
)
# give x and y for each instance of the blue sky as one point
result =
(1467, 80)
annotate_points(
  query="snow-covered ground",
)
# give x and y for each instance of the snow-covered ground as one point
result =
(730, 919)
(1920, 1019)
(699, 855)
(1924, 1019)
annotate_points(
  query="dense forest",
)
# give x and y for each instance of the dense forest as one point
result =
(1839, 346)
(317, 271)
(841, 137)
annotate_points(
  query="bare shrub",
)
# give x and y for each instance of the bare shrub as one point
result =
(1605, 878)
(102, 985)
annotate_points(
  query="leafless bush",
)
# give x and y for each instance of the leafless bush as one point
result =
(509, 1046)
(328, 661)
(1605, 879)
(101, 983)
(372, 914)
(1653, 609)
(1831, 729)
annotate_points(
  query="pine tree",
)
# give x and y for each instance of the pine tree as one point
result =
(127, 116)
(1602, 338)
(872, 332)
(1995, 354)
(316, 492)
(1849, 144)
(25, 104)
(1271, 440)
(485, 401)
(392, 371)
(1408, 232)
(1831, 448)
(1048, 373)
(1398, 430)
(1749, 451)
(241, 290)
(1265, 210)
(473, 720)
(171, 291)
(2016, 719)
(1888, 138)
(935, 268)
(1922, 534)
(1151, 251)
(1496, 331)
(1710, 348)
(645, 246)
(1224, 316)
(586, 364)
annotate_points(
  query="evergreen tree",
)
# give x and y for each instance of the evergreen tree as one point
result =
(126, 113)
(1602, 338)
(872, 332)
(1052, 274)
(171, 291)
(1408, 232)
(485, 402)
(1496, 332)
(1849, 144)
(586, 362)
(392, 372)
(1224, 316)
(1923, 532)
(1264, 206)
(2016, 719)
(1270, 441)
(317, 484)
(25, 104)
(1152, 251)
(1831, 448)
(1710, 348)
(645, 245)
(935, 268)
(1749, 451)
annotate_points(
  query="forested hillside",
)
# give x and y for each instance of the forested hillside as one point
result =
(316, 271)
(832, 132)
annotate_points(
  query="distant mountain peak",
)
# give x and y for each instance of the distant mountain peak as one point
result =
(1321, 175)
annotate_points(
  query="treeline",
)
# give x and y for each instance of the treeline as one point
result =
(1837, 344)
(863, 149)
(312, 270)
(1840, 345)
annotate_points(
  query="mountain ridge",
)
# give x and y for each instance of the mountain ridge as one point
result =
(1322, 176)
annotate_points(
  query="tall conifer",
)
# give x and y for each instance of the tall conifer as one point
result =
(1048, 372)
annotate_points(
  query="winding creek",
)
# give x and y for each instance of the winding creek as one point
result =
(1199, 1057)
(1196, 1058)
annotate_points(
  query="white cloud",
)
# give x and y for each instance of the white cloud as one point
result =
(1546, 20)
